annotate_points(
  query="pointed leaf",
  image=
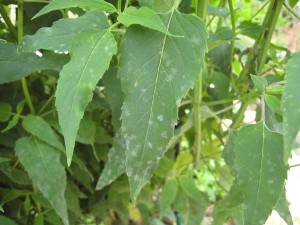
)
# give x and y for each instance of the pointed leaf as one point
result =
(282, 207)
(60, 35)
(274, 103)
(14, 65)
(38, 127)
(291, 105)
(168, 195)
(42, 162)
(156, 70)
(6, 221)
(144, 17)
(79, 78)
(5, 111)
(260, 83)
(12, 123)
(293, 2)
(114, 95)
(100, 5)
(116, 162)
(260, 150)
(229, 153)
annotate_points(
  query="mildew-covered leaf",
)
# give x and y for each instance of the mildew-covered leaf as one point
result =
(60, 35)
(14, 65)
(100, 5)
(156, 71)
(42, 162)
(91, 53)
(282, 207)
(261, 171)
(116, 162)
(291, 105)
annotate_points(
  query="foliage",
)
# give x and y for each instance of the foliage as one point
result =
(132, 112)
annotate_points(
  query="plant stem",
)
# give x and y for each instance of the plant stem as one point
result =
(8, 22)
(20, 36)
(258, 55)
(201, 12)
(292, 11)
(231, 57)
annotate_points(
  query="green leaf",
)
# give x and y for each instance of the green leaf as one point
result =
(42, 162)
(148, 3)
(59, 37)
(156, 70)
(87, 130)
(273, 90)
(191, 210)
(164, 6)
(14, 174)
(229, 153)
(274, 103)
(182, 162)
(38, 127)
(79, 78)
(189, 188)
(116, 162)
(5, 111)
(291, 105)
(144, 17)
(218, 11)
(292, 3)
(282, 207)
(14, 65)
(114, 95)
(230, 207)
(221, 36)
(260, 83)
(168, 195)
(261, 172)
(12, 123)
(6, 221)
(100, 5)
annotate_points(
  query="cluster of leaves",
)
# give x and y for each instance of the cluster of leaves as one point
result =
(113, 81)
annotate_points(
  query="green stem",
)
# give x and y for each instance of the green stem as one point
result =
(258, 55)
(261, 9)
(276, 9)
(119, 5)
(231, 9)
(201, 12)
(8, 21)
(289, 8)
(20, 36)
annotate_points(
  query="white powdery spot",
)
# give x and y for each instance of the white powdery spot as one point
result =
(164, 134)
(169, 78)
(149, 144)
(136, 84)
(134, 153)
(270, 181)
(160, 118)
(136, 178)
(195, 40)
(149, 162)
(129, 171)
